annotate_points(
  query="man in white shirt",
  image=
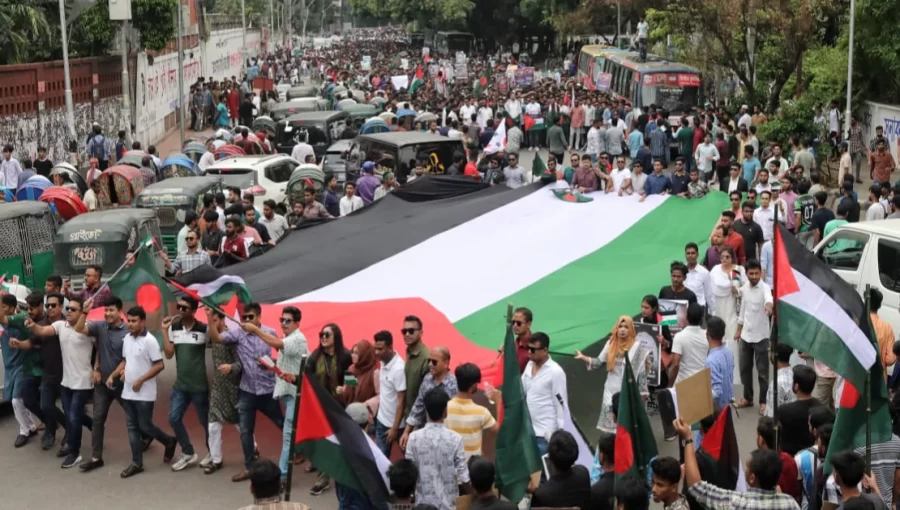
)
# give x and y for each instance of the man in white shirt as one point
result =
(544, 382)
(392, 393)
(782, 164)
(485, 113)
(143, 361)
(301, 150)
(350, 201)
(706, 156)
(208, 158)
(744, 118)
(533, 110)
(876, 210)
(764, 215)
(753, 334)
(466, 111)
(90, 197)
(514, 175)
(698, 279)
(596, 140)
(620, 177)
(77, 384)
(689, 347)
(513, 106)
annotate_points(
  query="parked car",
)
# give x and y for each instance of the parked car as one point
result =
(264, 176)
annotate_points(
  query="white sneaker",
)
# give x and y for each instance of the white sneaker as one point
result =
(206, 461)
(185, 461)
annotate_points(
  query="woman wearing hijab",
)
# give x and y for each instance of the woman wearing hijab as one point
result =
(365, 369)
(328, 364)
(622, 340)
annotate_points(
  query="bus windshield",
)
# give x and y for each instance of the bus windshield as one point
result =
(674, 93)
(456, 42)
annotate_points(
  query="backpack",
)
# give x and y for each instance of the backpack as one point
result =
(98, 148)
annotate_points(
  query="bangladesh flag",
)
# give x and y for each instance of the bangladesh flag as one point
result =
(819, 313)
(719, 452)
(141, 285)
(635, 444)
(517, 456)
(569, 196)
(483, 82)
(337, 446)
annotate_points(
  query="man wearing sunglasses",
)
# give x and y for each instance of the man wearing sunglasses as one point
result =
(291, 350)
(185, 339)
(189, 259)
(734, 181)
(76, 384)
(439, 376)
(521, 325)
(109, 336)
(257, 382)
(416, 359)
(544, 383)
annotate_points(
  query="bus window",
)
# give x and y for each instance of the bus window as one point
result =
(675, 96)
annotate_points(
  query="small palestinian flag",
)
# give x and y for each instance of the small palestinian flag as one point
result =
(528, 122)
(719, 454)
(337, 446)
(635, 444)
(568, 195)
(418, 80)
(210, 285)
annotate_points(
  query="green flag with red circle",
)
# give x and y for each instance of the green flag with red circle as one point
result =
(635, 444)
(141, 285)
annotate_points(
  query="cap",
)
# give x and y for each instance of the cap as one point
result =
(744, 107)
(387, 176)
(358, 412)
(368, 167)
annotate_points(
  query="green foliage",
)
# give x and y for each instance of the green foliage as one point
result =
(794, 118)
(23, 28)
(155, 20)
(825, 69)
(876, 64)
(93, 33)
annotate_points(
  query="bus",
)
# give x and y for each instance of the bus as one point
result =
(451, 42)
(676, 88)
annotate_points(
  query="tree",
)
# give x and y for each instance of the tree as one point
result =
(92, 32)
(155, 20)
(761, 41)
(876, 58)
(22, 27)
(420, 14)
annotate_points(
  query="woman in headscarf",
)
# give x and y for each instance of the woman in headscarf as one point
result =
(622, 340)
(365, 369)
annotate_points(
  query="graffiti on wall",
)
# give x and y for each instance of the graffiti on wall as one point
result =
(48, 129)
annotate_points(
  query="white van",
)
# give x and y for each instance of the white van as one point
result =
(868, 253)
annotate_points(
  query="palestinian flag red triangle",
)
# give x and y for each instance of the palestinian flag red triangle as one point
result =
(337, 446)
(720, 450)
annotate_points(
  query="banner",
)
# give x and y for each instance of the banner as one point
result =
(647, 335)
(366, 63)
(525, 77)
(400, 82)
(603, 81)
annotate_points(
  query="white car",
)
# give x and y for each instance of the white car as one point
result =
(264, 176)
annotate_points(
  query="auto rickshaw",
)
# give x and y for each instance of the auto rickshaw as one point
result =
(171, 199)
(119, 185)
(303, 105)
(360, 113)
(32, 188)
(101, 238)
(301, 176)
(264, 124)
(319, 129)
(195, 150)
(65, 175)
(27, 229)
(302, 91)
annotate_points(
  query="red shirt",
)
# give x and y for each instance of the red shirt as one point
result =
(736, 241)
(788, 481)
(471, 170)
(522, 351)
(236, 246)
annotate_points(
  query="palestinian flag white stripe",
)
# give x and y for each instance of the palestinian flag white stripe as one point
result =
(848, 339)
(209, 288)
(496, 254)
(381, 461)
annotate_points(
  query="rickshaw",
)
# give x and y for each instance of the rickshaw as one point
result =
(302, 91)
(32, 188)
(171, 199)
(320, 129)
(101, 238)
(179, 165)
(301, 177)
(373, 126)
(227, 151)
(135, 159)
(65, 175)
(8, 195)
(359, 113)
(308, 104)
(64, 201)
(264, 124)
(119, 185)
(27, 230)
(195, 151)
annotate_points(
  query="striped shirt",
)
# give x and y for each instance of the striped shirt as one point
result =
(715, 498)
(468, 419)
(885, 461)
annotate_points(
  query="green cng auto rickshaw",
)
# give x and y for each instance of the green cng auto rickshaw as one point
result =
(101, 238)
(360, 113)
(26, 250)
(302, 91)
(319, 129)
(172, 199)
(305, 104)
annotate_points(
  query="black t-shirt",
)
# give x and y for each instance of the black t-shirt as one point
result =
(492, 503)
(753, 237)
(794, 419)
(263, 232)
(684, 294)
(820, 218)
(51, 355)
(602, 497)
(43, 167)
(569, 489)
(853, 213)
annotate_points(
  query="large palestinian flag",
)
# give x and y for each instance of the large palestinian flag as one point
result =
(457, 261)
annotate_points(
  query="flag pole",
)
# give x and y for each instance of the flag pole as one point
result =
(509, 314)
(293, 446)
(124, 264)
(773, 343)
(869, 392)
(638, 454)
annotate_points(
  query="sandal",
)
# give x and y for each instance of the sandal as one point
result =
(743, 404)
(212, 468)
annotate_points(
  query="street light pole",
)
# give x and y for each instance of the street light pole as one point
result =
(243, 33)
(67, 77)
(180, 70)
(848, 113)
(126, 87)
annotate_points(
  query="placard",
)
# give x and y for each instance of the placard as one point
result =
(674, 314)
(695, 392)
(525, 77)
(400, 82)
(366, 63)
(647, 336)
(603, 81)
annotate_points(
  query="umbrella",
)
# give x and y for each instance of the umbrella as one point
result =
(426, 117)
(406, 112)
(386, 116)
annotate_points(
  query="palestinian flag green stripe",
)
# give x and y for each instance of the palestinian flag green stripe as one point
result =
(578, 303)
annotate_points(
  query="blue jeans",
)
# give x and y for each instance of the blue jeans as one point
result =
(53, 416)
(73, 402)
(381, 439)
(248, 405)
(542, 446)
(286, 432)
(139, 421)
(180, 401)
